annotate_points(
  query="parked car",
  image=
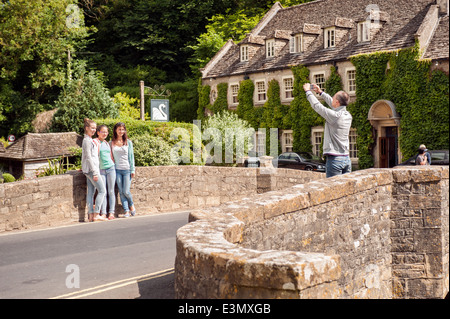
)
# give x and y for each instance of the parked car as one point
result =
(299, 160)
(438, 157)
(253, 160)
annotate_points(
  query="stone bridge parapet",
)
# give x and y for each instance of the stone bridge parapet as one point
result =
(377, 233)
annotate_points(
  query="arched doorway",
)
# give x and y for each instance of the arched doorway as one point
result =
(386, 123)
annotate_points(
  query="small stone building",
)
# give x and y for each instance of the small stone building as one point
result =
(32, 152)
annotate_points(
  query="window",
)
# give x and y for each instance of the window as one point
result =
(329, 38)
(234, 93)
(288, 84)
(353, 147)
(287, 141)
(363, 31)
(244, 53)
(260, 146)
(296, 43)
(319, 79)
(213, 96)
(351, 81)
(261, 91)
(270, 48)
(317, 136)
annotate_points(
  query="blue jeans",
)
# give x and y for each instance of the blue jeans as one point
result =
(91, 186)
(338, 165)
(123, 180)
(109, 179)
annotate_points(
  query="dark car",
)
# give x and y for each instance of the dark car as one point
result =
(438, 157)
(299, 160)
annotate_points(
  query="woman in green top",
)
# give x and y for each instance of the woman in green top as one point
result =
(107, 172)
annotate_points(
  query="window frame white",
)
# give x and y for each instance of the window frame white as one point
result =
(287, 141)
(329, 35)
(353, 146)
(234, 94)
(244, 53)
(363, 32)
(270, 48)
(258, 92)
(314, 79)
(317, 134)
(296, 43)
(287, 89)
(349, 86)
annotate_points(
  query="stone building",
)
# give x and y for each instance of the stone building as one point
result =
(326, 33)
(32, 152)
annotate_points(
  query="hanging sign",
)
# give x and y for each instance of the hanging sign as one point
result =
(160, 110)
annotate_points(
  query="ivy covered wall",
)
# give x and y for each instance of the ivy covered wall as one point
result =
(421, 98)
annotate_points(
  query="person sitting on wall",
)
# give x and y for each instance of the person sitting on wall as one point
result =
(337, 128)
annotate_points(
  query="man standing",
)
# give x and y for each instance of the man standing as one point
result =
(337, 128)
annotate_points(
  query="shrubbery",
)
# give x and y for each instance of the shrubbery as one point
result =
(151, 151)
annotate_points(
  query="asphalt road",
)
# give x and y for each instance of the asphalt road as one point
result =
(121, 259)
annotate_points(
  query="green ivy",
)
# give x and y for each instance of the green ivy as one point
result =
(301, 116)
(203, 99)
(221, 103)
(421, 99)
(245, 109)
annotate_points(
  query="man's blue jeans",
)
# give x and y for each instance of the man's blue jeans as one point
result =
(123, 180)
(338, 165)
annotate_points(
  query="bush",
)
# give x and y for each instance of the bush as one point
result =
(151, 151)
(231, 137)
(8, 178)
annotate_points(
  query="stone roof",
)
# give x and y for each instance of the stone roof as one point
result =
(400, 20)
(35, 146)
(439, 45)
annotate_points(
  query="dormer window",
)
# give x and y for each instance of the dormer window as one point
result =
(296, 43)
(329, 37)
(244, 53)
(363, 31)
(270, 48)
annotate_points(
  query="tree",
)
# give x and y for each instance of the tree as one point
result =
(35, 38)
(84, 96)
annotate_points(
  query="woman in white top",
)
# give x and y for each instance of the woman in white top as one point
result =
(91, 169)
(122, 149)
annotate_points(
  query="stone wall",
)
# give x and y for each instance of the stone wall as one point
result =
(369, 234)
(55, 200)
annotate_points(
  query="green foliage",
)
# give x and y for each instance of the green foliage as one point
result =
(334, 82)
(84, 96)
(34, 42)
(245, 109)
(128, 106)
(420, 98)
(221, 103)
(203, 99)
(8, 178)
(57, 166)
(138, 127)
(183, 101)
(151, 150)
(302, 116)
(229, 135)
(370, 74)
(220, 29)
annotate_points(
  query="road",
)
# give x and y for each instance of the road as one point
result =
(122, 258)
